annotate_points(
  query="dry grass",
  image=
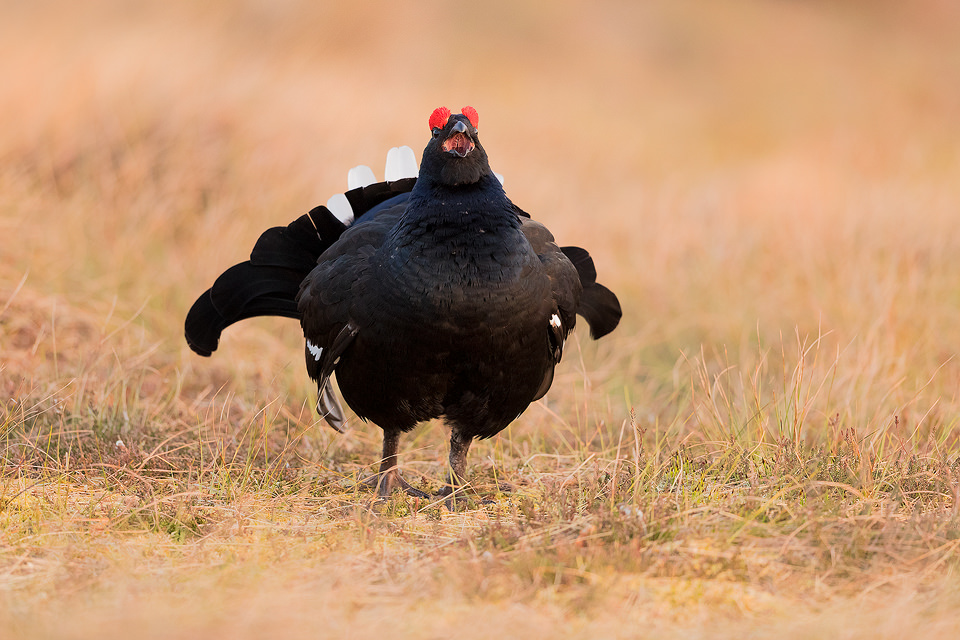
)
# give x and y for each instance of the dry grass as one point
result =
(766, 447)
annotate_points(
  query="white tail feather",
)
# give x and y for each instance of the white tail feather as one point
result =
(360, 176)
(401, 163)
(340, 207)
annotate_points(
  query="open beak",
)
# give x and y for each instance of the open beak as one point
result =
(458, 142)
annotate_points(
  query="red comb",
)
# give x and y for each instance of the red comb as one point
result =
(472, 115)
(439, 118)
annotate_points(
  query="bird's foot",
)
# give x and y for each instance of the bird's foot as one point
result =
(386, 482)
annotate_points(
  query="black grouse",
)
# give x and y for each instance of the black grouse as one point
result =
(441, 298)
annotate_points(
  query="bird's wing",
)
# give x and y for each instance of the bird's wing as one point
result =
(563, 275)
(597, 304)
(327, 294)
(320, 364)
(561, 317)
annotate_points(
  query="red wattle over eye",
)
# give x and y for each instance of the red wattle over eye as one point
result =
(472, 115)
(439, 117)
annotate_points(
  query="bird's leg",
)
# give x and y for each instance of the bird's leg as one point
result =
(389, 477)
(459, 446)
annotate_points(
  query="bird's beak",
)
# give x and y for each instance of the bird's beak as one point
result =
(458, 142)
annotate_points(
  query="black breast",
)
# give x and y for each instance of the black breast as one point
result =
(453, 324)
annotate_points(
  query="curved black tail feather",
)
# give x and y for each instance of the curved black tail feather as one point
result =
(243, 291)
(598, 305)
(267, 284)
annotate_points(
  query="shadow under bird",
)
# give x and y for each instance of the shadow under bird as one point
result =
(430, 297)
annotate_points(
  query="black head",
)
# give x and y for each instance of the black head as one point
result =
(454, 156)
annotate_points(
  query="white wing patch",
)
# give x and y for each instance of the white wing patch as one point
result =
(401, 163)
(340, 207)
(555, 321)
(499, 176)
(314, 350)
(360, 176)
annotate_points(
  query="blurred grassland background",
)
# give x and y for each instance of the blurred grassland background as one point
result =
(766, 446)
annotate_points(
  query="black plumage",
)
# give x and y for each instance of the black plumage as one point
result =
(441, 299)
(267, 284)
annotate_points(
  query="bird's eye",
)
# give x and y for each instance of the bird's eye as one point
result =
(436, 132)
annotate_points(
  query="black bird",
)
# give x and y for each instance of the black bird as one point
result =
(441, 298)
